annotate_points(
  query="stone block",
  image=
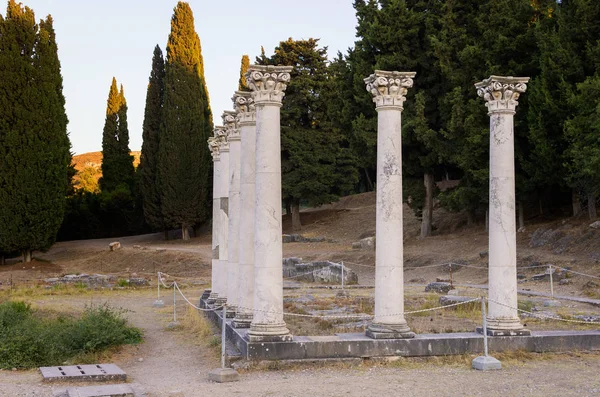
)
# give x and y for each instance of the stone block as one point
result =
(486, 363)
(223, 375)
(439, 287)
(114, 246)
(595, 225)
(77, 373)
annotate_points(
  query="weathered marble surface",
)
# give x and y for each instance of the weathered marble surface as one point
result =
(233, 211)
(213, 145)
(389, 93)
(223, 218)
(246, 115)
(268, 84)
(501, 94)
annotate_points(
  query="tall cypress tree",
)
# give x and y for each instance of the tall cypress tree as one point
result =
(34, 144)
(242, 84)
(147, 169)
(184, 161)
(117, 162)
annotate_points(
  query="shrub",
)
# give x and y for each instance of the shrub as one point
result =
(32, 338)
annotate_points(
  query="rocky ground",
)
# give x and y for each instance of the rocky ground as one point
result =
(175, 363)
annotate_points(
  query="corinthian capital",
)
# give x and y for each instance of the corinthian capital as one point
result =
(244, 106)
(389, 88)
(268, 83)
(214, 147)
(501, 93)
(231, 125)
(220, 136)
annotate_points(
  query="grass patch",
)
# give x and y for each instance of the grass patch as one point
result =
(32, 338)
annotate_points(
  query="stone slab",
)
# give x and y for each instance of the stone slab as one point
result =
(122, 390)
(223, 375)
(77, 373)
(358, 345)
(486, 363)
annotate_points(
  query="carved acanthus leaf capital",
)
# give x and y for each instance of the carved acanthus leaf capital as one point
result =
(501, 93)
(244, 106)
(389, 88)
(220, 136)
(230, 123)
(268, 83)
(214, 146)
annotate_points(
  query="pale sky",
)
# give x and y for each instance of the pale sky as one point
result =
(99, 39)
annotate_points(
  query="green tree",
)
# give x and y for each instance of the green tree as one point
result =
(310, 149)
(184, 161)
(147, 170)
(34, 144)
(117, 162)
(242, 84)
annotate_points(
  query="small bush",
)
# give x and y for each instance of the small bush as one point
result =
(31, 338)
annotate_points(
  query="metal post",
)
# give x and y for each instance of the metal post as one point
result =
(485, 339)
(342, 275)
(174, 304)
(551, 281)
(223, 340)
(158, 286)
(451, 284)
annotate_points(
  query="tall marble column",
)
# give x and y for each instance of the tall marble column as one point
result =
(221, 132)
(244, 106)
(501, 94)
(389, 93)
(213, 145)
(268, 84)
(233, 228)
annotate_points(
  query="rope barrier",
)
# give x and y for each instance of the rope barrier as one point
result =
(543, 316)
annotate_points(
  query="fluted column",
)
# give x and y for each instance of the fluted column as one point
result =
(501, 94)
(246, 114)
(221, 132)
(233, 210)
(389, 93)
(268, 84)
(213, 145)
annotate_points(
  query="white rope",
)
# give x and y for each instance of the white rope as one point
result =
(194, 306)
(544, 316)
(574, 272)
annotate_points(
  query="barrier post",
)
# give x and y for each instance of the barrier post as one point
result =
(485, 362)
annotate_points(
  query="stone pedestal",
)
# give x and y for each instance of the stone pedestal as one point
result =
(501, 94)
(246, 114)
(213, 145)
(223, 216)
(389, 93)
(268, 84)
(233, 228)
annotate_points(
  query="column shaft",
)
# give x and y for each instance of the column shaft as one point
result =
(215, 232)
(233, 228)
(223, 223)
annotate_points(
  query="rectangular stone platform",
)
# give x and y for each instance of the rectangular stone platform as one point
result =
(78, 373)
(122, 390)
(358, 345)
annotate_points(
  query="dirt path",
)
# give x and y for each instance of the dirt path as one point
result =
(171, 363)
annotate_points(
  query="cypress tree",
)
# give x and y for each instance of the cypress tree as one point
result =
(117, 162)
(34, 144)
(242, 84)
(184, 161)
(147, 169)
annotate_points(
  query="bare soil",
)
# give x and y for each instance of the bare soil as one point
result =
(176, 363)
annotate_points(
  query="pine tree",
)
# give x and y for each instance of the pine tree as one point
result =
(310, 147)
(242, 84)
(147, 169)
(34, 144)
(117, 162)
(184, 161)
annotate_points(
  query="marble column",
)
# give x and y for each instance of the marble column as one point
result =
(500, 95)
(213, 145)
(244, 106)
(233, 228)
(221, 132)
(268, 84)
(389, 93)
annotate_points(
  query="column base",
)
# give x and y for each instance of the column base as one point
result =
(205, 294)
(269, 333)
(218, 302)
(242, 320)
(504, 332)
(231, 311)
(389, 331)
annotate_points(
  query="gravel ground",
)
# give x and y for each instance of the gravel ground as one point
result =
(171, 364)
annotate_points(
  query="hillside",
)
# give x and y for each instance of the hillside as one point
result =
(88, 166)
